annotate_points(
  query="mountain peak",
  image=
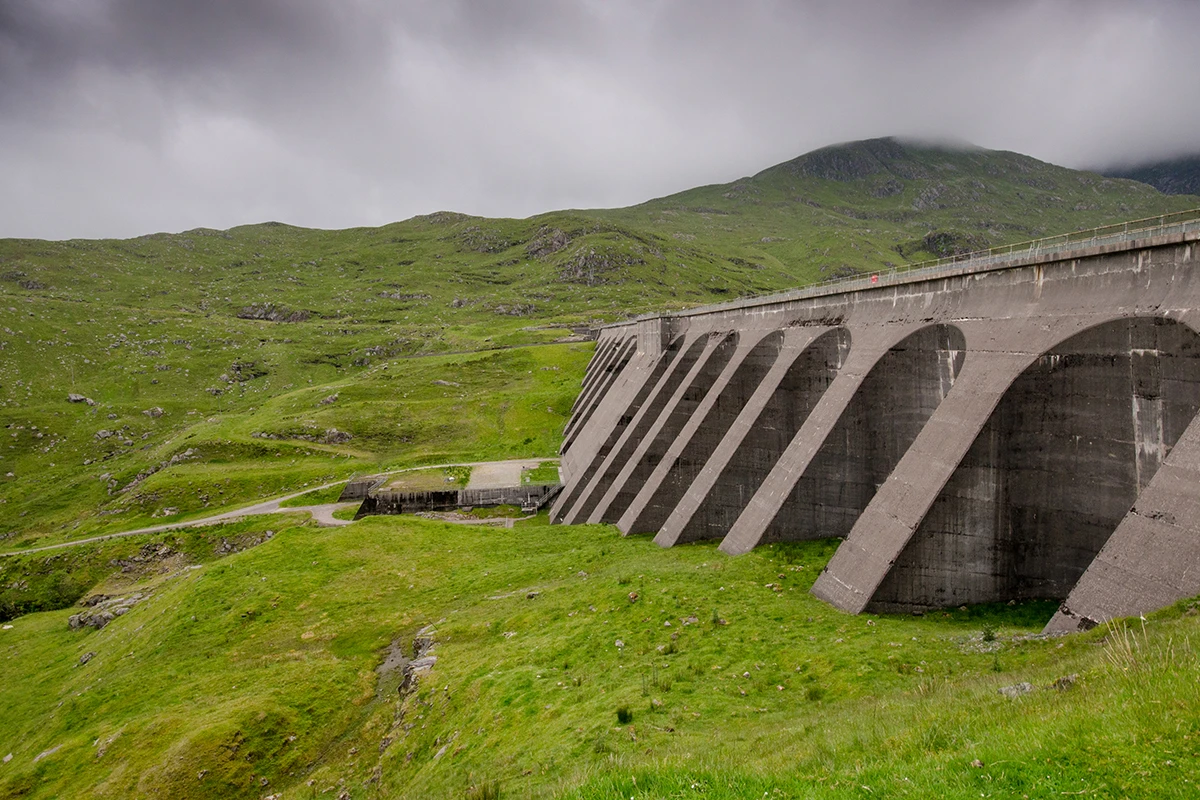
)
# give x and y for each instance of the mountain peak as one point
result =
(1173, 176)
(850, 161)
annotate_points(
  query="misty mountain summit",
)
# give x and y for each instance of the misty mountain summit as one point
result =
(1174, 176)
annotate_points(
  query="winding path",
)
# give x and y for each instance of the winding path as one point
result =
(321, 514)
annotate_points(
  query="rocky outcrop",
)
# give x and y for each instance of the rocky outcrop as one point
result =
(269, 312)
(102, 609)
(547, 242)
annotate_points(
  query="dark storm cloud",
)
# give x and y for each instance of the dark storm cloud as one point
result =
(120, 117)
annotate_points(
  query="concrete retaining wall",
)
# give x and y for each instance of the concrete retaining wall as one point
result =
(388, 502)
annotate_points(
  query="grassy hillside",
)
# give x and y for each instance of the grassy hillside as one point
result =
(258, 674)
(878, 203)
(171, 376)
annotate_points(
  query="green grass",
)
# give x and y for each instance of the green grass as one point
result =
(508, 403)
(546, 472)
(58, 578)
(329, 494)
(260, 666)
(430, 480)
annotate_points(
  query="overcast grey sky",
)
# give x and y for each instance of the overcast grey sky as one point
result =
(124, 117)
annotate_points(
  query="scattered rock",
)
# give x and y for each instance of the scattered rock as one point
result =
(86, 657)
(105, 611)
(328, 401)
(1065, 682)
(516, 310)
(103, 433)
(45, 753)
(153, 413)
(405, 296)
(150, 554)
(413, 670)
(1016, 690)
(269, 312)
(547, 241)
(8, 758)
(226, 546)
(78, 398)
(334, 436)
(440, 382)
(141, 476)
(590, 268)
(531, 595)
(619, 644)
(977, 764)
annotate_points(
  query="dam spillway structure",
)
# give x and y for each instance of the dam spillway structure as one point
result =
(1018, 423)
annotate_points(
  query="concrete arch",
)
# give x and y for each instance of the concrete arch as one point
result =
(896, 399)
(604, 349)
(792, 396)
(591, 374)
(598, 370)
(620, 359)
(646, 458)
(601, 479)
(690, 451)
(662, 363)
(1055, 468)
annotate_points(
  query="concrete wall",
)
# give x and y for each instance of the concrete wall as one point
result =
(387, 502)
(1058, 464)
(982, 435)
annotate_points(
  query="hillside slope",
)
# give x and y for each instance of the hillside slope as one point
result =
(1174, 176)
(187, 344)
(880, 202)
(174, 375)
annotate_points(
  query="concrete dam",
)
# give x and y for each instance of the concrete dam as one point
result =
(1014, 424)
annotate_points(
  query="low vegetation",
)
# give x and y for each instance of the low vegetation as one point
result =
(573, 662)
(430, 480)
(544, 473)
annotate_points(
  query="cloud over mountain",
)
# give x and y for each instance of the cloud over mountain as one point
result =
(120, 117)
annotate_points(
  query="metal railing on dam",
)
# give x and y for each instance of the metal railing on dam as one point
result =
(1062, 245)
